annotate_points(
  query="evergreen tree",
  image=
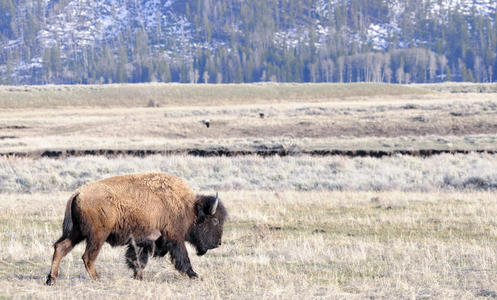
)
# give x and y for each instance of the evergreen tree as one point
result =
(55, 62)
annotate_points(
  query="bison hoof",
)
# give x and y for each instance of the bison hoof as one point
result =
(50, 280)
(191, 274)
(139, 276)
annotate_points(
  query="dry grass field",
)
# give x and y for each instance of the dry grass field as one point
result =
(460, 87)
(173, 94)
(280, 245)
(300, 226)
(332, 116)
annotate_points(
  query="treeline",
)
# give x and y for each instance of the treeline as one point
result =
(249, 41)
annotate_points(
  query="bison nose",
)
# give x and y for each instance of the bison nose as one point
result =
(219, 244)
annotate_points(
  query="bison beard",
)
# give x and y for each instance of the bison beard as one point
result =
(153, 214)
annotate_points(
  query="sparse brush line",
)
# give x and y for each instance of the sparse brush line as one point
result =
(224, 152)
(447, 172)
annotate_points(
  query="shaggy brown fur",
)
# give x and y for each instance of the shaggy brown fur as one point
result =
(136, 210)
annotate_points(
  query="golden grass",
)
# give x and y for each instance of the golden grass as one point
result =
(140, 95)
(278, 242)
(280, 245)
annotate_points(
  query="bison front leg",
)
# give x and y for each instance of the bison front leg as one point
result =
(137, 257)
(180, 259)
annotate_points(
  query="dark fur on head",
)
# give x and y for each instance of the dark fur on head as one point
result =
(207, 230)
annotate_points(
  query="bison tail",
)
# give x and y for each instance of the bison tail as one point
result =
(68, 223)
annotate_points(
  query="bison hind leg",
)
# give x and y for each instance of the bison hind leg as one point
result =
(137, 257)
(61, 248)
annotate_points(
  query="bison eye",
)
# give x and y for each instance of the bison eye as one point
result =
(215, 221)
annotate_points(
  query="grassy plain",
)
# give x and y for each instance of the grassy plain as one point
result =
(300, 226)
(174, 94)
(280, 245)
(460, 87)
(296, 117)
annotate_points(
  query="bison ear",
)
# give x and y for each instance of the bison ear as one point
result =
(199, 211)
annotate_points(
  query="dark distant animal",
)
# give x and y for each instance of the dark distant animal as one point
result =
(261, 115)
(152, 213)
(207, 123)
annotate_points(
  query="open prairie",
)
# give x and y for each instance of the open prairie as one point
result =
(280, 245)
(297, 118)
(300, 225)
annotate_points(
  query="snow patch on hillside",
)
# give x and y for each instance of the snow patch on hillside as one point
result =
(82, 23)
(87, 22)
(468, 6)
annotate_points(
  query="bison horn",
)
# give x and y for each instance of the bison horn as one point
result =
(214, 206)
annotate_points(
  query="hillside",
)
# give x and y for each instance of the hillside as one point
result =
(107, 41)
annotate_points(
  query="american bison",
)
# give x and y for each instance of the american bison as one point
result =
(152, 213)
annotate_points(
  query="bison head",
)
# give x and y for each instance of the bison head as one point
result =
(207, 230)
